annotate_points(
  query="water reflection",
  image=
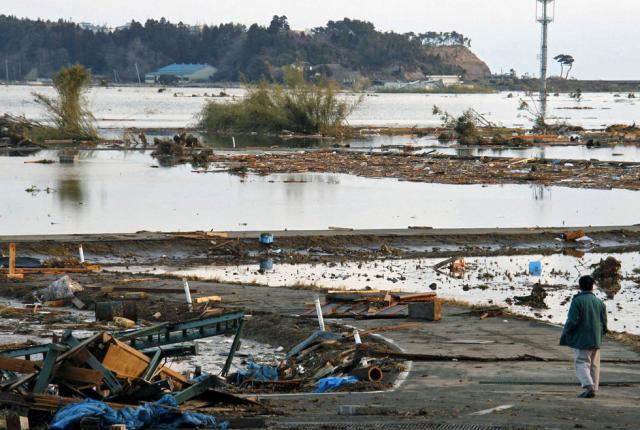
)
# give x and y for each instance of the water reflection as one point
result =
(539, 192)
(247, 141)
(484, 280)
(266, 265)
(107, 184)
(4, 152)
(71, 191)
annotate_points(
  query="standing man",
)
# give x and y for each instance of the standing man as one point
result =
(586, 323)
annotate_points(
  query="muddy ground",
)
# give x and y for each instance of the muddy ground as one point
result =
(185, 249)
(459, 366)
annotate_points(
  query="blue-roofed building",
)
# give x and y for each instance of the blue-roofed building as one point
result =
(182, 73)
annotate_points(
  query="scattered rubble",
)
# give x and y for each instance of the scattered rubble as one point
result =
(445, 169)
(535, 300)
(183, 148)
(12, 135)
(322, 362)
(122, 368)
(607, 275)
(379, 304)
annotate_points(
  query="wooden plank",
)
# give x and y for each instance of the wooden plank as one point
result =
(207, 299)
(75, 374)
(124, 362)
(134, 289)
(79, 374)
(12, 258)
(54, 270)
(128, 362)
(17, 365)
(44, 402)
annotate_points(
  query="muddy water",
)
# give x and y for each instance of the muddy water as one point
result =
(116, 191)
(118, 107)
(486, 281)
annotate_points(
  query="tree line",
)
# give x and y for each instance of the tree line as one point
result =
(37, 48)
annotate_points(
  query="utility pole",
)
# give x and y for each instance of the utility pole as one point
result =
(544, 16)
(6, 69)
(138, 73)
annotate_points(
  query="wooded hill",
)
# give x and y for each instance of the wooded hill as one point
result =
(39, 48)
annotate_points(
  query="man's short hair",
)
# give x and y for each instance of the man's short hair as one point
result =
(586, 283)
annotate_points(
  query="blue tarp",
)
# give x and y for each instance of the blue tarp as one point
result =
(333, 382)
(535, 268)
(255, 372)
(153, 415)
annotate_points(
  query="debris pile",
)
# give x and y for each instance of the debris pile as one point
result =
(325, 361)
(183, 148)
(12, 132)
(534, 300)
(379, 304)
(444, 169)
(112, 377)
(607, 274)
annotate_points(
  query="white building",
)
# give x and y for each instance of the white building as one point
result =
(183, 73)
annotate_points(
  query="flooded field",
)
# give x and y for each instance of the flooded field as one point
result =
(121, 191)
(146, 107)
(486, 281)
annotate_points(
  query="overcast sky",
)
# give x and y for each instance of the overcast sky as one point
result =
(602, 36)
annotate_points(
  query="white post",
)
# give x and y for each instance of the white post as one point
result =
(234, 142)
(187, 294)
(81, 252)
(356, 336)
(319, 313)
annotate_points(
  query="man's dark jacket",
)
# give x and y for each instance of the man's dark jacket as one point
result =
(586, 323)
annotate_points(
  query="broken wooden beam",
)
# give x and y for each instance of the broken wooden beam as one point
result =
(70, 373)
(43, 402)
(53, 270)
(12, 274)
(207, 299)
(134, 289)
(208, 381)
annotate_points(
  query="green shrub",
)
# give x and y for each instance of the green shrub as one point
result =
(298, 106)
(464, 127)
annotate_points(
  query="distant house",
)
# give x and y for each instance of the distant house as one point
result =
(429, 83)
(93, 27)
(181, 73)
(446, 80)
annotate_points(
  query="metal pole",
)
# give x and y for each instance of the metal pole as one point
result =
(319, 314)
(234, 348)
(543, 58)
(187, 294)
(138, 73)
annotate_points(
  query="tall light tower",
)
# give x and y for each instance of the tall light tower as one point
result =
(545, 15)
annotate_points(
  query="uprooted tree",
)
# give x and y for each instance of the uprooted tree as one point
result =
(466, 127)
(67, 111)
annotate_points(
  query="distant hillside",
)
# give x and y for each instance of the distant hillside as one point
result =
(460, 56)
(347, 50)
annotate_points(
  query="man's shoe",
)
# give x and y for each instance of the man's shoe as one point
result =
(588, 393)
